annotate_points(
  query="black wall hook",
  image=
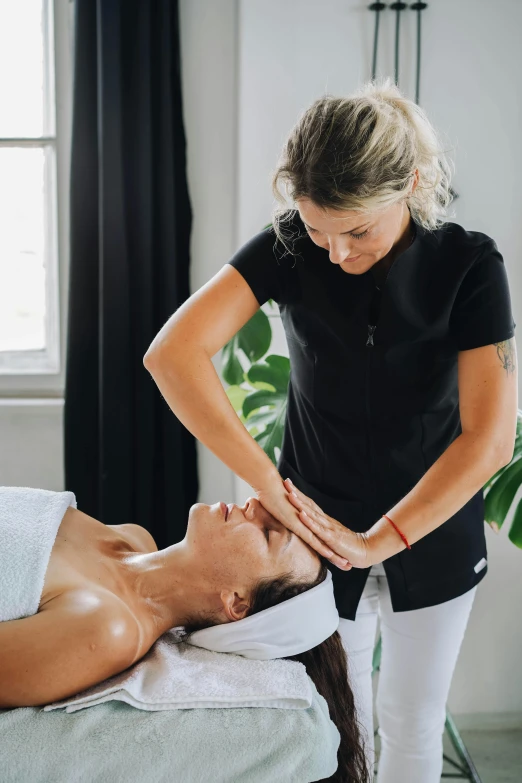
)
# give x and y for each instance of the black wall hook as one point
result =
(398, 7)
(377, 7)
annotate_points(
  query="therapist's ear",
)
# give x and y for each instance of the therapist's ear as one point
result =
(416, 181)
(235, 606)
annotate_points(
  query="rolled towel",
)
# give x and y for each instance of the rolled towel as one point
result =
(174, 675)
(29, 522)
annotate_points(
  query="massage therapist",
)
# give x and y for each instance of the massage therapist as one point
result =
(402, 400)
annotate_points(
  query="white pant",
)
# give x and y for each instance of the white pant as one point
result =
(419, 653)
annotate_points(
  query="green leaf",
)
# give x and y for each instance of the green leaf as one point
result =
(236, 395)
(232, 369)
(272, 437)
(260, 385)
(515, 533)
(259, 398)
(500, 496)
(262, 418)
(274, 370)
(256, 336)
(253, 339)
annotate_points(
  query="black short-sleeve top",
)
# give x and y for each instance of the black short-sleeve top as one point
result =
(373, 394)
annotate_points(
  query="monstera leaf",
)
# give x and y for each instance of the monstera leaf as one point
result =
(274, 371)
(266, 408)
(258, 395)
(253, 340)
(501, 489)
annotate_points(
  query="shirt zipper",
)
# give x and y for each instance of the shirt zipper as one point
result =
(370, 344)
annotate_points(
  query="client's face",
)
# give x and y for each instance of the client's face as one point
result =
(241, 544)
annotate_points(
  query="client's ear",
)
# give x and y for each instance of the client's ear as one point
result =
(235, 606)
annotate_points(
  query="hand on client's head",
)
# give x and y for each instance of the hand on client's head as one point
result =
(275, 499)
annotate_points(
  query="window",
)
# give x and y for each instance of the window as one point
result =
(29, 302)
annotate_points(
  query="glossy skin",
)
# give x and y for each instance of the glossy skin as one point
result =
(109, 594)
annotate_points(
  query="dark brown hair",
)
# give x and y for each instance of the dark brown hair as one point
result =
(326, 665)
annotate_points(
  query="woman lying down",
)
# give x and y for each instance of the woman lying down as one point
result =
(81, 601)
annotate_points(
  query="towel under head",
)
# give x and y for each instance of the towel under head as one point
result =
(29, 522)
(174, 675)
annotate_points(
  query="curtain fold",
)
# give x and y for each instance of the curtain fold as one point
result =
(127, 457)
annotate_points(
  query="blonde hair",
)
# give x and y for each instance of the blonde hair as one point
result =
(360, 153)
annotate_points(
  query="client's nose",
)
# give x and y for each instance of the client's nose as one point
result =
(250, 507)
(257, 512)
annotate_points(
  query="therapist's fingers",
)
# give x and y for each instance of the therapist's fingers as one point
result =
(281, 508)
(297, 526)
(314, 538)
(328, 525)
(340, 562)
(300, 498)
(321, 525)
(320, 546)
(277, 502)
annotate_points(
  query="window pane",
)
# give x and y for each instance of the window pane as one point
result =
(22, 249)
(22, 69)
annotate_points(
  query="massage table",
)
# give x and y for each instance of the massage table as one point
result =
(116, 743)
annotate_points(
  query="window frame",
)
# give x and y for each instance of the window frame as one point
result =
(41, 372)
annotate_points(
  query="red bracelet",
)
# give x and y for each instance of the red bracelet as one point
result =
(398, 531)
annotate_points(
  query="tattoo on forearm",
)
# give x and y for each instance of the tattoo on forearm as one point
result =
(506, 354)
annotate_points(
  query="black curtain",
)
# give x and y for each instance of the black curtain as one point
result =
(127, 457)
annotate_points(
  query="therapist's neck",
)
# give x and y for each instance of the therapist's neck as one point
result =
(401, 243)
(405, 232)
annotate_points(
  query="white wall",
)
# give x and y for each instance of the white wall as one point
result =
(249, 69)
(209, 73)
(292, 52)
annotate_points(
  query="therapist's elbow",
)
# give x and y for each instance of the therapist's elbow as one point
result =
(164, 354)
(150, 357)
(155, 358)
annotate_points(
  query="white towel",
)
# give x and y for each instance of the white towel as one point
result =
(29, 522)
(174, 675)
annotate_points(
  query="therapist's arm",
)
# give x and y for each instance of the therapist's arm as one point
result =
(179, 360)
(488, 403)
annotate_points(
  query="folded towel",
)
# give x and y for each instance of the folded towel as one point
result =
(114, 743)
(29, 522)
(174, 675)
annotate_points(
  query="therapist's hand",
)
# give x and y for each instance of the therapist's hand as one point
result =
(342, 541)
(276, 499)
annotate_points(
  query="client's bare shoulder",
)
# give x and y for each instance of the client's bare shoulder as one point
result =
(136, 535)
(88, 626)
(72, 643)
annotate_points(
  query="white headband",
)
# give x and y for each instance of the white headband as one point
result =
(288, 628)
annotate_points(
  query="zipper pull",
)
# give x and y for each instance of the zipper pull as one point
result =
(371, 330)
